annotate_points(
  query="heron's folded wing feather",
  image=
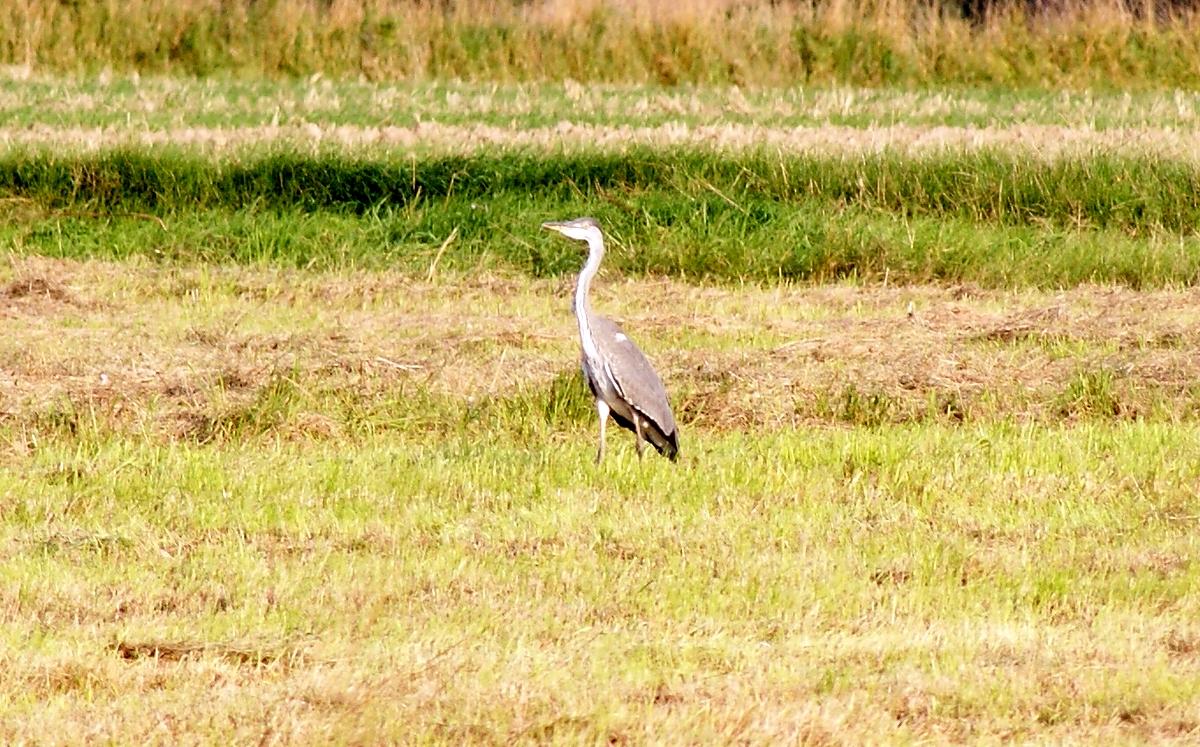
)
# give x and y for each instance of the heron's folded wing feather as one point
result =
(636, 380)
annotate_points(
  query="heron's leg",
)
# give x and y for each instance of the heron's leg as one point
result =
(637, 431)
(601, 410)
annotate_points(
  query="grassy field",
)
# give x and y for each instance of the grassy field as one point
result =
(294, 448)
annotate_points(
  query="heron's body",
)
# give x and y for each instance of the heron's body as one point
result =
(623, 382)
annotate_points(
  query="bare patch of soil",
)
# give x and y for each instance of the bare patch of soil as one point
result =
(38, 286)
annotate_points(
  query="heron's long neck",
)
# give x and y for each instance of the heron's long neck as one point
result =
(595, 254)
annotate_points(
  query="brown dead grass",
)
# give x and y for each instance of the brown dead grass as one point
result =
(177, 350)
(994, 354)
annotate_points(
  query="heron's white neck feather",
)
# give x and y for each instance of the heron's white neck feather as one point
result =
(595, 254)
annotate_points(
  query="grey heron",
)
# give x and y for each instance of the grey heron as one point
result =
(623, 382)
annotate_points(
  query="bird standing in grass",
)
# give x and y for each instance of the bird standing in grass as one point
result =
(623, 382)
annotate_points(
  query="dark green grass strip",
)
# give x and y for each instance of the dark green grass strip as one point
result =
(1141, 196)
(651, 232)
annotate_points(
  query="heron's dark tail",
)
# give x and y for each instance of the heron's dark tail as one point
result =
(666, 444)
(670, 447)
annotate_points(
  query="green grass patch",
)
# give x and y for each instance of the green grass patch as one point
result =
(811, 242)
(1138, 195)
(993, 219)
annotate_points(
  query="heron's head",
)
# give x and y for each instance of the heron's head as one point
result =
(580, 229)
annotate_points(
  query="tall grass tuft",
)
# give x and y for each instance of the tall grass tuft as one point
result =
(863, 42)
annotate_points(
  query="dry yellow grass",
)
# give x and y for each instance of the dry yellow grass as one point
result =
(160, 349)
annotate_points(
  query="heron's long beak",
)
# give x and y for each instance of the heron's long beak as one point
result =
(553, 225)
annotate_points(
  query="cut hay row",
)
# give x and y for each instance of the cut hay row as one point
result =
(1038, 142)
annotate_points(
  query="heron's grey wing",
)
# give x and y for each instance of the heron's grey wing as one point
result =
(637, 380)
